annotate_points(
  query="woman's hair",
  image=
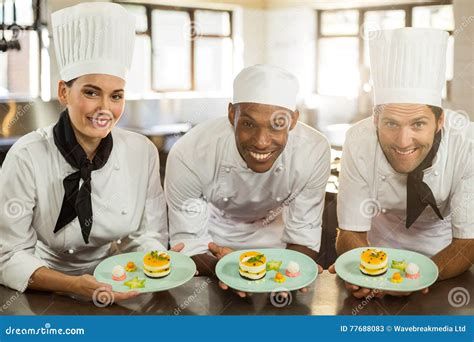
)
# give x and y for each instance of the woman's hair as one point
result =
(437, 111)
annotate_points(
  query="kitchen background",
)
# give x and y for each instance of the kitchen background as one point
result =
(187, 53)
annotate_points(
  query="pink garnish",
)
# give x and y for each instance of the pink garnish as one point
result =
(292, 275)
(413, 276)
(119, 278)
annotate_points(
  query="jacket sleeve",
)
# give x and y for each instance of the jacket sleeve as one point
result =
(188, 211)
(17, 236)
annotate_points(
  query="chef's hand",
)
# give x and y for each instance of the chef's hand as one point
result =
(177, 248)
(358, 291)
(219, 252)
(403, 294)
(87, 286)
(306, 289)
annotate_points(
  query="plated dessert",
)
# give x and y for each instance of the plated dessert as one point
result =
(157, 264)
(373, 262)
(252, 265)
(266, 270)
(126, 272)
(407, 271)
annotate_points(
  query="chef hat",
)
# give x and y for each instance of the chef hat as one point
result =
(408, 65)
(93, 38)
(266, 84)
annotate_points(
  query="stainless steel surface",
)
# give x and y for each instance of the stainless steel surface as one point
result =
(202, 296)
(161, 130)
(20, 118)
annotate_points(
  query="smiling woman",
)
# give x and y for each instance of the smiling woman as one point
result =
(75, 189)
(95, 103)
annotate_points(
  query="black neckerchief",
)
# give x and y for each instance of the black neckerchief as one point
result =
(419, 194)
(77, 201)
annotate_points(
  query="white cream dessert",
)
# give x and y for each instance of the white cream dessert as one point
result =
(412, 271)
(118, 273)
(293, 269)
(252, 265)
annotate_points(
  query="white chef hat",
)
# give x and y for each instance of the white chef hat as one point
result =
(93, 38)
(266, 84)
(408, 65)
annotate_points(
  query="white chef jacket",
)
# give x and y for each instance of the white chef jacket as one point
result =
(372, 195)
(213, 196)
(127, 202)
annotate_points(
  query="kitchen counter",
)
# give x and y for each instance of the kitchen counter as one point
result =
(202, 296)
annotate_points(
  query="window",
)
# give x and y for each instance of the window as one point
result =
(181, 49)
(19, 69)
(376, 20)
(343, 37)
(176, 49)
(441, 17)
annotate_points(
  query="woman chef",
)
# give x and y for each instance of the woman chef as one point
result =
(70, 190)
(407, 177)
(229, 180)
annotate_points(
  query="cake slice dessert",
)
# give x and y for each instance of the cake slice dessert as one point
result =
(252, 265)
(373, 262)
(156, 264)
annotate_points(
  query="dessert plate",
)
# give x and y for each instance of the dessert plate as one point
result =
(182, 270)
(227, 270)
(347, 267)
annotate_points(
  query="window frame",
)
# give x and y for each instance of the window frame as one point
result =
(191, 13)
(35, 27)
(408, 8)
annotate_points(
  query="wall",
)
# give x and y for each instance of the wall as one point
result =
(290, 43)
(463, 80)
(284, 34)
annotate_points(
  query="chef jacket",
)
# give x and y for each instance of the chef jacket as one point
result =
(213, 196)
(373, 197)
(127, 201)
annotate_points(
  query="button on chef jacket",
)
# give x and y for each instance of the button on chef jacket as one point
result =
(213, 196)
(127, 201)
(372, 195)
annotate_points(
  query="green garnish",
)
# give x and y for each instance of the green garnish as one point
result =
(273, 265)
(135, 283)
(256, 258)
(156, 255)
(399, 265)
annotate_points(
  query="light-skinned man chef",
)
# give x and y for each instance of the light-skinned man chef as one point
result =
(254, 179)
(407, 175)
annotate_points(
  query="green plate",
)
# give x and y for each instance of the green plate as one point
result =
(347, 267)
(227, 271)
(182, 270)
